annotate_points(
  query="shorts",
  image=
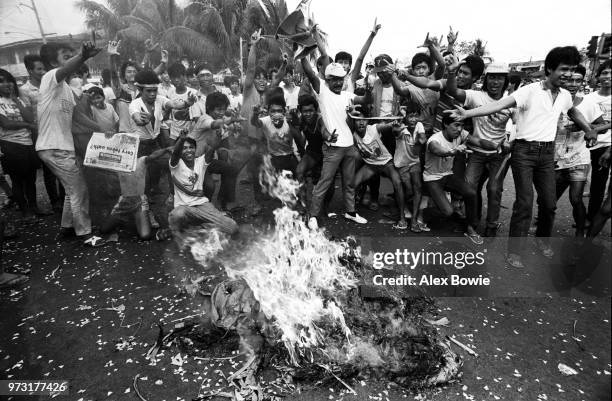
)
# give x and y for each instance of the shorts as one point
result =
(126, 206)
(577, 173)
(404, 171)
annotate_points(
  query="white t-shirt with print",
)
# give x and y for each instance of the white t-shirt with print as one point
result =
(177, 125)
(55, 106)
(386, 102)
(537, 115)
(605, 105)
(191, 180)
(491, 127)
(570, 146)
(333, 111)
(10, 111)
(148, 131)
(436, 167)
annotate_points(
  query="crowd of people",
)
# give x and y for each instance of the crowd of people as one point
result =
(439, 139)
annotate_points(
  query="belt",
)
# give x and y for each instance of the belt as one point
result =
(535, 143)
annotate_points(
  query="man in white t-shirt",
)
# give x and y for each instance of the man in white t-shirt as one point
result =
(539, 105)
(191, 207)
(55, 145)
(492, 128)
(338, 150)
(180, 119)
(599, 173)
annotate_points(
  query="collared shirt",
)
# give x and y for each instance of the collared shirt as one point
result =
(538, 115)
(149, 131)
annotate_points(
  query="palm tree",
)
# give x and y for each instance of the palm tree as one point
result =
(206, 30)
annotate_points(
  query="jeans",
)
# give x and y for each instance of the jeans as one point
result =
(63, 164)
(532, 165)
(478, 165)
(334, 157)
(182, 217)
(599, 178)
(458, 185)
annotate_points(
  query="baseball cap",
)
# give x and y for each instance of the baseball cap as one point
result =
(335, 70)
(497, 68)
(204, 71)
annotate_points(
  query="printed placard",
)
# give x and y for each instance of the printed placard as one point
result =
(118, 153)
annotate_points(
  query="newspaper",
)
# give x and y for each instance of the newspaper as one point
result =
(118, 153)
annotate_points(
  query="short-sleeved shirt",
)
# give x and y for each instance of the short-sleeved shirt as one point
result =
(109, 94)
(165, 90)
(537, 115)
(371, 141)
(333, 111)
(151, 129)
(176, 126)
(55, 106)
(407, 147)
(570, 146)
(106, 118)
(314, 136)
(10, 111)
(428, 100)
(30, 95)
(189, 179)
(436, 167)
(205, 134)
(605, 105)
(492, 127)
(280, 140)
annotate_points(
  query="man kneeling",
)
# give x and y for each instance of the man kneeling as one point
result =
(191, 207)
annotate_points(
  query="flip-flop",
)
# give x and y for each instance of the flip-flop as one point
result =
(423, 226)
(475, 238)
(416, 228)
(94, 242)
(17, 280)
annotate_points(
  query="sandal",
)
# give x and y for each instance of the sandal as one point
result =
(401, 225)
(416, 228)
(12, 280)
(163, 234)
(423, 226)
(475, 238)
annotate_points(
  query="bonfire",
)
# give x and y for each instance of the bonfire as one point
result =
(293, 297)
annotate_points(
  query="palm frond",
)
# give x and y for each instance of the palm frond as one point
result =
(133, 20)
(187, 42)
(99, 16)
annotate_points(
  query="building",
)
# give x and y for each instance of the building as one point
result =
(12, 54)
(527, 67)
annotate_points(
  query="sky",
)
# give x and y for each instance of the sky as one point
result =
(517, 30)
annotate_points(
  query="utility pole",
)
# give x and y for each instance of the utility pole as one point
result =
(33, 8)
(241, 61)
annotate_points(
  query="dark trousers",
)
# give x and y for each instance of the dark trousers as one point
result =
(599, 178)
(228, 173)
(20, 163)
(483, 167)
(458, 185)
(312, 162)
(285, 162)
(532, 165)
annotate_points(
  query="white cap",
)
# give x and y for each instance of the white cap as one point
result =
(204, 71)
(497, 68)
(335, 70)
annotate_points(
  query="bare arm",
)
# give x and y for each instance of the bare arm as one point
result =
(255, 121)
(451, 81)
(162, 64)
(7, 124)
(364, 50)
(311, 75)
(178, 149)
(299, 140)
(249, 75)
(578, 118)
(88, 50)
(461, 114)
(436, 149)
(281, 72)
(482, 143)
(434, 50)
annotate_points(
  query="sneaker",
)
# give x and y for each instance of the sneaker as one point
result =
(313, 224)
(356, 218)
(94, 241)
(545, 248)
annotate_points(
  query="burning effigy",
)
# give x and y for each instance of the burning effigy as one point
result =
(293, 297)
